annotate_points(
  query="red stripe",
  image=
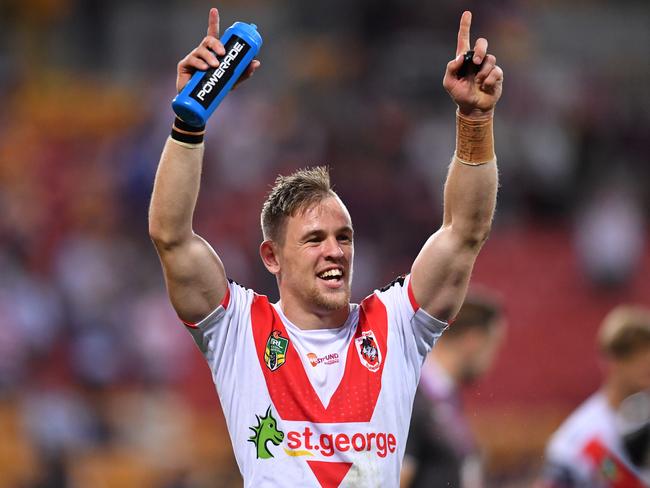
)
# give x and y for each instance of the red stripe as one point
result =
(224, 303)
(226, 298)
(414, 302)
(329, 475)
(610, 467)
(289, 387)
(191, 325)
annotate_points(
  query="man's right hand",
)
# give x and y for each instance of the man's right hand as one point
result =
(203, 56)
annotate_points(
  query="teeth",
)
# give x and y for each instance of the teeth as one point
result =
(331, 273)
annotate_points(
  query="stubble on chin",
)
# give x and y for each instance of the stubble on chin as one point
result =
(333, 302)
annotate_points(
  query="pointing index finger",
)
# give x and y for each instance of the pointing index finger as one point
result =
(213, 23)
(463, 33)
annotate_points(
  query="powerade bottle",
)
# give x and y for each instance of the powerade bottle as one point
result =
(205, 90)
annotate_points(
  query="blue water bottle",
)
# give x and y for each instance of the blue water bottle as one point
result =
(205, 90)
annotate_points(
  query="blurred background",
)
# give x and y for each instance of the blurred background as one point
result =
(101, 386)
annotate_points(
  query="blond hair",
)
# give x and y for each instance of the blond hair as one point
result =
(624, 331)
(291, 194)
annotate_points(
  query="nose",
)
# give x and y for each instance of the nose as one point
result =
(332, 248)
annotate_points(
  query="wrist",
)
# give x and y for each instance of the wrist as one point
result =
(474, 138)
(187, 134)
(475, 113)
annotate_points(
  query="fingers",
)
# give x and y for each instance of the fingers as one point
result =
(213, 23)
(492, 80)
(480, 48)
(213, 44)
(488, 64)
(462, 45)
(191, 63)
(203, 57)
(206, 56)
(489, 76)
(250, 71)
(454, 65)
(206, 53)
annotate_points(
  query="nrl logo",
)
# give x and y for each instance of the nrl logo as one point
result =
(368, 350)
(276, 350)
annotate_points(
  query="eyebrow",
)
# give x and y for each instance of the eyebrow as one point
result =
(319, 232)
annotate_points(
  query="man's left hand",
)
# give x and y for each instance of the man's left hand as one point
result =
(475, 94)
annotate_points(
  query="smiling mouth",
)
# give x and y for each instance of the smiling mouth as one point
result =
(331, 275)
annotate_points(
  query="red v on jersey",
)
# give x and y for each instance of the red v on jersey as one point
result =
(610, 467)
(291, 391)
(329, 475)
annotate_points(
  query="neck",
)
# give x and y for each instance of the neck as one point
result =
(615, 393)
(314, 318)
(262, 451)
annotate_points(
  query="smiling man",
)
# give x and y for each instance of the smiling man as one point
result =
(317, 391)
(311, 252)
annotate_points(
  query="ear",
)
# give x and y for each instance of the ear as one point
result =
(462, 345)
(472, 340)
(269, 255)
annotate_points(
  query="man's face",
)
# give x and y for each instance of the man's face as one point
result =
(316, 257)
(634, 372)
(480, 351)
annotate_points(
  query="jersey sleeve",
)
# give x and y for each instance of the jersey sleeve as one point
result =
(565, 465)
(222, 332)
(558, 475)
(416, 330)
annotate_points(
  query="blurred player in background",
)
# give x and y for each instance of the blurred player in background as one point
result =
(605, 443)
(314, 389)
(441, 451)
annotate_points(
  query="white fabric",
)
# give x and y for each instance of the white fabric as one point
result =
(226, 339)
(592, 420)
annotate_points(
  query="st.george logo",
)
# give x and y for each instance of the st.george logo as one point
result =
(368, 350)
(264, 432)
(276, 350)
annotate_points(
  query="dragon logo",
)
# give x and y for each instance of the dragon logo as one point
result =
(266, 430)
(368, 350)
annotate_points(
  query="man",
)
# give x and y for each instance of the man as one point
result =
(441, 451)
(317, 391)
(605, 443)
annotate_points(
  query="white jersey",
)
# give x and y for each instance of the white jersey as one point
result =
(587, 451)
(327, 408)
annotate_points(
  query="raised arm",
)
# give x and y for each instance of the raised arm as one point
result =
(441, 272)
(195, 277)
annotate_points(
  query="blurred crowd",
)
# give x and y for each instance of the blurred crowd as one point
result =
(98, 379)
